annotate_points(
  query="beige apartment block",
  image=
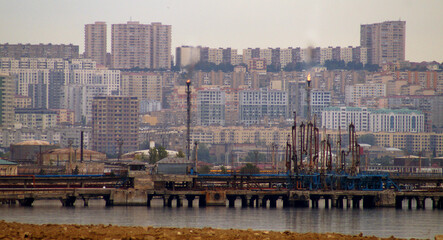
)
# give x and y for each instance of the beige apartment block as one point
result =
(115, 120)
(131, 45)
(385, 41)
(96, 42)
(160, 46)
(6, 101)
(143, 85)
(136, 45)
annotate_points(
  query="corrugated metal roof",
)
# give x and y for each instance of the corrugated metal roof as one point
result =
(174, 160)
(33, 142)
(72, 150)
(4, 162)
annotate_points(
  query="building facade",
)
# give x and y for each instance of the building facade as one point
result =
(39, 51)
(36, 118)
(131, 45)
(161, 37)
(398, 120)
(96, 42)
(6, 101)
(211, 107)
(143, 85)
(146, 46)
(353, 93)
(255, 105)
(385, 41)
(115, 120)
(373, 120)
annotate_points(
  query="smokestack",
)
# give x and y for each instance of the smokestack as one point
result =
(81, 146)
(188, 121)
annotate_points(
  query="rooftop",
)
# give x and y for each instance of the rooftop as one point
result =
(4, 162)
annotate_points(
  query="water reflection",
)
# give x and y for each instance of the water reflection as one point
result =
(379, 222)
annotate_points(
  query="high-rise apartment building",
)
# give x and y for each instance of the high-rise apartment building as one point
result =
(114, 121)
(141, 45)
(385, 41)
(131, 45)
(6, 101)
(160, 46)
(95, 42)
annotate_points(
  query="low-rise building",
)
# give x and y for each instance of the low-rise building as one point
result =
(36, 118)
(8, 168)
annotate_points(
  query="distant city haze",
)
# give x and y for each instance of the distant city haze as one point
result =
(230, 23)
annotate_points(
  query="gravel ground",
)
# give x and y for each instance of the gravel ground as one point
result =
(13, 230)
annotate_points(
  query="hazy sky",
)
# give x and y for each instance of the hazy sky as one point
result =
(230, 23)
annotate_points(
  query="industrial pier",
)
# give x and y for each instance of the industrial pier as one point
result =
(178, 190)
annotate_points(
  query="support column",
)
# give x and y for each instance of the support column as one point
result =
(420, 202)
(259, 202)
(85, 201)
(356, 202)
(109, 201)
(368, 201)
(334, 200)
(314, 202)
(231, 201)
(148, 202)
(180, 200)
(409, 203)
(399, 202)
(245, 201)
(26, 202)
(165, 200)
(190, 199)
(68, 201)
(434, 203)
(326, 202)
(286, 202)
(340, 202)
(273, 202)
(348, 202)
(202, 201)
(251, 201)
(169, 201)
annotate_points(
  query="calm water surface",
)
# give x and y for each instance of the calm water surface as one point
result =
(384, 222)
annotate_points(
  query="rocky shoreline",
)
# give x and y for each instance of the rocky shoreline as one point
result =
(12, 230)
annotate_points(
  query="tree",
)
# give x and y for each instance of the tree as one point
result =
(153, 155)
(144, 145)
(368, 139)
(203, 153)
(249, 168)
(255, 156)
(162, 153)
(204, 169)
(180, 154)
(273, 68)
(76, 170)
(223, 169)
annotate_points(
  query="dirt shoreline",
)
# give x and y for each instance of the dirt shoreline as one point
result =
(13, 230)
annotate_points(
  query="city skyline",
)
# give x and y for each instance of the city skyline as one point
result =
(233, 24)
